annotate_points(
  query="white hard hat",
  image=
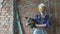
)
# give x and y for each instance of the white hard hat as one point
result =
(42, 5)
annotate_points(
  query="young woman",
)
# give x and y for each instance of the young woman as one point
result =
(42, 21)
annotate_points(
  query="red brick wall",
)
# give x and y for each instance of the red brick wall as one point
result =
(28, 8)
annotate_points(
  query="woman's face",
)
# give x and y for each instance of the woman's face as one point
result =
(42, 9)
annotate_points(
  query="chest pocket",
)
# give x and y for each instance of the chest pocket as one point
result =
(38, 19)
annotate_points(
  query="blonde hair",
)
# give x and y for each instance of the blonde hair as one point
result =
(40, 6)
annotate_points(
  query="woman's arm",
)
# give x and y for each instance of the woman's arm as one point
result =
(40, 25)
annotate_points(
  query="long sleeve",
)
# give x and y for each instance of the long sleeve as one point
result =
(47, 21)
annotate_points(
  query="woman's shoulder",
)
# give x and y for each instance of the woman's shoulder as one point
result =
(46, 15)
(37, 15)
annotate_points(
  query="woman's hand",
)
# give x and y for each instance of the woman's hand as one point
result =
(27, 24)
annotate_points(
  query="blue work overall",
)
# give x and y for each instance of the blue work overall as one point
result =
(46, 21)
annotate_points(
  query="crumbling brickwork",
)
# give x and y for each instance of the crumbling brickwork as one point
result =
(6, 17)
